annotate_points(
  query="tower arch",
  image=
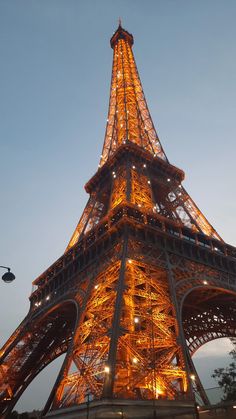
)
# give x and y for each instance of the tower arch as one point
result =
(40, 341)
(208, 312)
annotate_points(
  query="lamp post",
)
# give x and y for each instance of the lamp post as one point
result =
(8, 276)
(87, 404)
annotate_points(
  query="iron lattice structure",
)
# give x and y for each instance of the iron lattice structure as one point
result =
(144, 282)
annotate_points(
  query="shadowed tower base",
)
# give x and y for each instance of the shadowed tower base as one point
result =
(128, 409)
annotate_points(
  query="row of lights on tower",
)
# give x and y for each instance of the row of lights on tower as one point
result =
(117, 109)
(39, 303)
(144, 165)
(107, 368)
(134, 167)
(135, 361)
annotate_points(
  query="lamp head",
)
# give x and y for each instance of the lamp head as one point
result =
(8, 277)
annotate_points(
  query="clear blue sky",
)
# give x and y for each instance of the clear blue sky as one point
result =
(54, 89)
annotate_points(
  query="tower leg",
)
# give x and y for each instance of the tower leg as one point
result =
(194, 383)
(41, 340)
(180, 331)
(198, 389)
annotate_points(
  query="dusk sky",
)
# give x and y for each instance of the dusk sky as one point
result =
(54, 89)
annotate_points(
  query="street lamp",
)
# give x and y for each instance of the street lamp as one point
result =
(87, 403)
(8, 276)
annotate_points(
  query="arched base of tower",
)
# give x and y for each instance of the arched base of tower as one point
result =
(128, 409)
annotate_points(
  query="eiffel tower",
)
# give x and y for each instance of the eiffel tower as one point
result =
(144, 282)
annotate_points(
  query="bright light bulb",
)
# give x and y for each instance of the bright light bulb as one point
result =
(107, 369)
(136, 320)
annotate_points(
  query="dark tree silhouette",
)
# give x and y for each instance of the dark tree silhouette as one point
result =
(14, 415)
(226, 377)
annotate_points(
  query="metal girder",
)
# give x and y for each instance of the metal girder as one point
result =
(146, 360)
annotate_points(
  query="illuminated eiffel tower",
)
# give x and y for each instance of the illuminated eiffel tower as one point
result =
(144, 282)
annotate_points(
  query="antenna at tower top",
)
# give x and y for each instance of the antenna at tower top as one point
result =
(119, 21)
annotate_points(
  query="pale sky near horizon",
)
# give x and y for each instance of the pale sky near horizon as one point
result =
(54, 83)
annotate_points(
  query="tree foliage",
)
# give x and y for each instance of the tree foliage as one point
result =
(13, 415)
(226, 377)
(16, 415)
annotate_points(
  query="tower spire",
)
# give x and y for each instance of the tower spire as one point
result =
(129, 119)
(129, 125)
